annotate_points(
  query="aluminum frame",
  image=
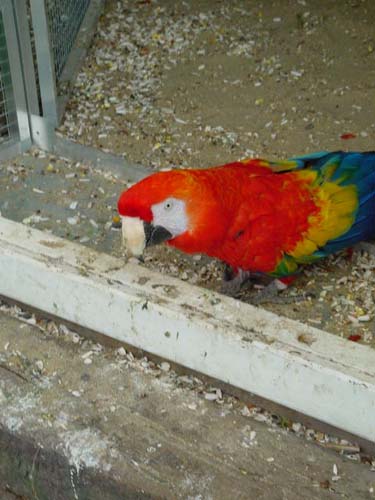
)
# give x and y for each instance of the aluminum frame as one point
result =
(25, 47)
(46, 71)
(33, 90)
(53, 104)
(20, 139)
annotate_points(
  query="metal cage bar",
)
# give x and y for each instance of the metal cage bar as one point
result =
(22, 15)
(7, 106)
(40, 44)
(55, 24)
(44, 56)
(14, 118)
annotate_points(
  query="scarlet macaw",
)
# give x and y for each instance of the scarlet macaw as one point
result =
(257, 216)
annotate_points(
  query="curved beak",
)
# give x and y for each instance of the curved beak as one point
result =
(137, 235)
(155, 234)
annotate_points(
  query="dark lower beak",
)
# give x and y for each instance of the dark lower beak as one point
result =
(155, 234)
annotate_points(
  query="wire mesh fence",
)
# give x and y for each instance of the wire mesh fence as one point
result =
(64, 19)
(8, 121)
(33, 52)
(37, 39)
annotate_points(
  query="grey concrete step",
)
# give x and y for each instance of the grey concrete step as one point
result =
(112, 429)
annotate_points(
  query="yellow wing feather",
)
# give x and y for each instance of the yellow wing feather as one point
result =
(338, 205)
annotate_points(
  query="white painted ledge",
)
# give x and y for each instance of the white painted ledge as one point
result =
(327, 378)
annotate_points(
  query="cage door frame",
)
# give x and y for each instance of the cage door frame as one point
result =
(20, 140)
(44, 57)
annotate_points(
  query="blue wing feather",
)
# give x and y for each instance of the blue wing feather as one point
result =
(350, 168)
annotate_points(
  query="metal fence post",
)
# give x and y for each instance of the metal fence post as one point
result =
(23, 30)
(15, 96)
(47, 80)
(39, 41)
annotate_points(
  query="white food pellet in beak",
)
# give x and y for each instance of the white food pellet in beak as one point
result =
(133, 235)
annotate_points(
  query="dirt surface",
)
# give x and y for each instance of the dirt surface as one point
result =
(200, 83)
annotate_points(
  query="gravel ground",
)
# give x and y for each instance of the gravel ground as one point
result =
(203, 82)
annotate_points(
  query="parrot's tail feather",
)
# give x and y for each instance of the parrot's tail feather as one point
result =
(367, 199)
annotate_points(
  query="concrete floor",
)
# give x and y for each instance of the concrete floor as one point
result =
(112, 429)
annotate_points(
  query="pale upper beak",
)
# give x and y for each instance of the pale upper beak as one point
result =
(133, 235)
(137, 235)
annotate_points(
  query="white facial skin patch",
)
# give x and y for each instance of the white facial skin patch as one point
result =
(171, 214)
(133, 235)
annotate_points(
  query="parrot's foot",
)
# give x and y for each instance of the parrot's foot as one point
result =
(234, 280)
(232, 283)
(272, 294)
(269, 289)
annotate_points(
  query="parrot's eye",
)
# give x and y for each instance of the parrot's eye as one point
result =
(171, 215)
(168, 205)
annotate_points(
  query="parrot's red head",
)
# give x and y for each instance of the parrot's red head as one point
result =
(177, 206)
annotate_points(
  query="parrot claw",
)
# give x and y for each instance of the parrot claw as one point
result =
(234, 280)
(271, 294)
(269, 289)
(231, 288)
